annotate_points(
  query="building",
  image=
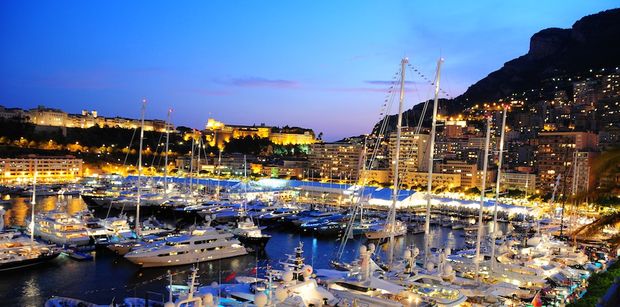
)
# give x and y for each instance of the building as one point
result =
(375, 176)
(555, 155)
(48, 117)
(413, 152)
(519, 181)
(48, 169)
(43, 116)
(420, 179)
(219, 133)
(454, 128)
(15, 114)
(467, 171)
(281, 171)
(335, 161)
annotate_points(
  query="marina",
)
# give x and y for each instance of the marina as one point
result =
(324, 154)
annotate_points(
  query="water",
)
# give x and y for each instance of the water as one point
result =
(110, 277)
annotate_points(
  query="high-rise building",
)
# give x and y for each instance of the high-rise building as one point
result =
(555, 155)
(338, 161)
(413, 152)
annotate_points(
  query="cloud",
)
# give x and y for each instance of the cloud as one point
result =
(259, 82)
(210, 92)
(384, 82)
(367, 90)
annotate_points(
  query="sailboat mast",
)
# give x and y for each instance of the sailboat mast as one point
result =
(217, 168)
(198, 167)
(191, 166)
(497, 186)
(392, 217)
(33, 201)
(139, 182)
(431, 157)
(484, 186)
(166, 155)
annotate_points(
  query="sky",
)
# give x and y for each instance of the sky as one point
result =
(324, 65)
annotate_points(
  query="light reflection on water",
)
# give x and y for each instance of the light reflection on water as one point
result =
(19, 209)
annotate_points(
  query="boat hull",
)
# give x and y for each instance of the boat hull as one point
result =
(156, 261)
(27, 263)
(254, 241)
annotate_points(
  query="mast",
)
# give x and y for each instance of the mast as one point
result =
(497, 186)
(137, 226)
(392, 216)
(217, 168)
(484, 186)
(431, 157)
(166, 155)
(199, 146)
(191, 166)
(33, 201)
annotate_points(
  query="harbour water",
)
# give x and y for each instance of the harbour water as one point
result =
(110, 277)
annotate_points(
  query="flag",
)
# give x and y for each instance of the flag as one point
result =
(537, 301)
(230, 277)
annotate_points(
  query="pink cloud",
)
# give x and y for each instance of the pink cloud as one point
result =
(259, 82)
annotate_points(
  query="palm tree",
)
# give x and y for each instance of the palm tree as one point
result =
(607, 169)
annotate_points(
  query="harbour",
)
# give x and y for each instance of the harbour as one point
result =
(108, 276)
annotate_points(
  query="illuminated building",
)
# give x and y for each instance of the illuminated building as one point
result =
(87, 119)
(413, 148)
(420, 179)
(219, 133)
(519, 181)
(49, 169)
(470, 175)
(335, 161)
(454, 128)
(555, 155)
(375, 176)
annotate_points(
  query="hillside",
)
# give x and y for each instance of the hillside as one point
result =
(591, 43)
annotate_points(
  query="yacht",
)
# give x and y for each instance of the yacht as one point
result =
(17, 251)
(248, 233)
(383, 231)
(61, 228)
(198, 245)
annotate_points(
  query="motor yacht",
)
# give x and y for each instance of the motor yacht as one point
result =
(249, 233)
(384, 231)
(197, 245)
(61, 228)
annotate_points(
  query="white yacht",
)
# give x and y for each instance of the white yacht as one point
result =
(205, 244)
(379, 232)
(61, 228)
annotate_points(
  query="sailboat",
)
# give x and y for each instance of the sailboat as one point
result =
(17, 251)
(394, 228)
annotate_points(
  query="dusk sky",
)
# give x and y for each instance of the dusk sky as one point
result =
(315, 64)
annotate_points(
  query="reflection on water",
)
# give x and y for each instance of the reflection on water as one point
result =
(18, 211)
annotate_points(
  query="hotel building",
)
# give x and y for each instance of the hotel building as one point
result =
(48, 169)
